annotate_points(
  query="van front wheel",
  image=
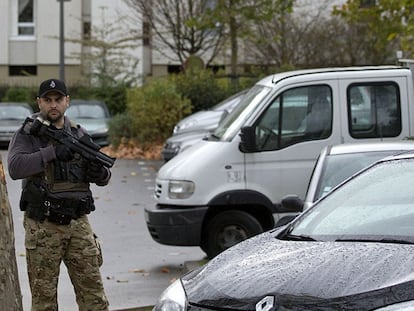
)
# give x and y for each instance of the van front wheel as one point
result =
(227, 229)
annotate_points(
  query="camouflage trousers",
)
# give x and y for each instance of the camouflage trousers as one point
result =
(47, 245)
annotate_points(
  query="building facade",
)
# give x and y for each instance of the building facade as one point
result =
(30, 40)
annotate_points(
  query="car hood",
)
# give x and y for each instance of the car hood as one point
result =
(187, 136)
(10, 125)
(304, 275)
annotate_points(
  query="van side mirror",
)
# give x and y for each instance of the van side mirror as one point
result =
(292, 203)
(248, 139)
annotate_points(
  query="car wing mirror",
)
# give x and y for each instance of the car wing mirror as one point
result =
(247, 139)
(292, 203)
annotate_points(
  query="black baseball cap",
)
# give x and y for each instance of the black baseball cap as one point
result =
(52, 85)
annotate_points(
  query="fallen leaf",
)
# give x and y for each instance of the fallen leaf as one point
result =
(165, 270)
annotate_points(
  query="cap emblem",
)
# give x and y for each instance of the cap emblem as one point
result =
(52, 84)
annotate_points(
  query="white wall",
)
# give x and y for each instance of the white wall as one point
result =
(4, 33)
(48, 21)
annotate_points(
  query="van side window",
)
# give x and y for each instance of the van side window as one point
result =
(296, 115)
(374, 110)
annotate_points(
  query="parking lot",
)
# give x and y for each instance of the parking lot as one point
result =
(136, 269)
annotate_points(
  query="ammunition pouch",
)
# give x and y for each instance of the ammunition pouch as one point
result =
(40, 206)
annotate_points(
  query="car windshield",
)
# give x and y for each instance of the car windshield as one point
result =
(339, 167)
(377, 205)
(231, 125)
(14, 112)
(229, 103)
(86, 111)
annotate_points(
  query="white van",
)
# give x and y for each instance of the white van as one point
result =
(227, 188)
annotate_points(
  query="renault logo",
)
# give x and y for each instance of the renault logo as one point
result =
(266, 304)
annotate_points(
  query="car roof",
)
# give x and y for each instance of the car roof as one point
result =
(332, 72)
(14, 104)
(370, 147)
(86, 102)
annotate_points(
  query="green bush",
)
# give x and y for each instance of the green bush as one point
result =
(120, 127)
(155, 108)
(201, 88)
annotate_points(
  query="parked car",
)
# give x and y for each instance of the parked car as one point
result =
(12, 116)
(180, 142)
(352, 250)
(93, 115)
(339, 162)
(197, 126)
(208, 120)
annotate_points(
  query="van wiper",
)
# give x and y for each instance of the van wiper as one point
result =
(293, 237)
(211, 137)
(396, 241)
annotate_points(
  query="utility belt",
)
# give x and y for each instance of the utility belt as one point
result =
(60, 212)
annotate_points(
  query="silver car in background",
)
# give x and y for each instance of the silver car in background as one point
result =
(12, 116)
(337, 163)
(198, 125)
(93, 115)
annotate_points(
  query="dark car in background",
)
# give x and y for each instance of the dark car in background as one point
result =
(352, 250)
(12, 116)
(198, 125)
(93, 115)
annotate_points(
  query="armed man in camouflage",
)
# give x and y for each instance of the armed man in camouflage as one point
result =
(56, 199)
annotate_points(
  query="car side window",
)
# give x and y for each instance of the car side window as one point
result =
(374, 110)
(297, 115)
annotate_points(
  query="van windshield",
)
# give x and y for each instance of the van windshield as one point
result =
(231, 125)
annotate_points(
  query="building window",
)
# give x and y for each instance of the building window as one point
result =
(22, 71)
(174, 69)
(86, 30)
(146, 33)
(25, 18)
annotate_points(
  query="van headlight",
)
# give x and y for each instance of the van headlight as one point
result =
(180, 189)
(172, 299)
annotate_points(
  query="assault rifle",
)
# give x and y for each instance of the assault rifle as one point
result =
(83, 146)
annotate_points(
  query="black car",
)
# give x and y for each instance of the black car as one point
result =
(352, 250)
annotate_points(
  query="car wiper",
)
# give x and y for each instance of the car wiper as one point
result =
(214, 137)
(293, 237)
(396, 241)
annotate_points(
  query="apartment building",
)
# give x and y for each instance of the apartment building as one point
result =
(30, 40)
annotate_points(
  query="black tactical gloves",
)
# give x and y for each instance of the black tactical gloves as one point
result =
(96, 172)
(63, 153)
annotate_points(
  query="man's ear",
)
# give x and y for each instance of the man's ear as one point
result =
(38, 102)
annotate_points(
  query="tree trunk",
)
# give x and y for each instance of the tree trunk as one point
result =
(10, 293)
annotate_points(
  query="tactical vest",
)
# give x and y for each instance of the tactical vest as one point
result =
(63, 179)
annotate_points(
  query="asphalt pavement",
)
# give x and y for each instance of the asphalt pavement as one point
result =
(136, 269)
